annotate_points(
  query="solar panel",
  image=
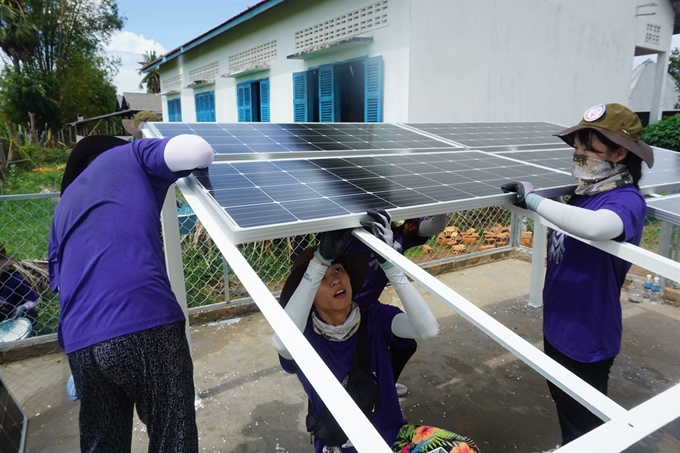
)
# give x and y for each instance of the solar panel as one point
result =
(274, 141)
(533, 143)
(665, 175)
(665, 208)
(301, 195)
(274, 180)
(495, 136)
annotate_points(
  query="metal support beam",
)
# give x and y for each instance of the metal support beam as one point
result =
(578, 389)
(622, 432)
(353, 422)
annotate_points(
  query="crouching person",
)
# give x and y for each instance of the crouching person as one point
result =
(354, 343)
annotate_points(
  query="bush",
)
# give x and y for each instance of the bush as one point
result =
(664, 134)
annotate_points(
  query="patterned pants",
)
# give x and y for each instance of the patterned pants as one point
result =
(422, 439)
(151, 369)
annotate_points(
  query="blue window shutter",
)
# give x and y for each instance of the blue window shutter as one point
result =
(326, 94)
(300, 109)
(178, 110)
(171, 110)
(264, 100)
(240, 101)
(199, 107)
(211, 106)
(373, 96)
(248, 101)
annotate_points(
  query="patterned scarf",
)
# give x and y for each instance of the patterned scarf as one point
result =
(341, 332)
(596, 176)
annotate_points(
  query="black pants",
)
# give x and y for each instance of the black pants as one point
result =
(576, 420)
(399, 357)
(151, 370)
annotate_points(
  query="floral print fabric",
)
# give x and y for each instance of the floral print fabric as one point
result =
(423, 439)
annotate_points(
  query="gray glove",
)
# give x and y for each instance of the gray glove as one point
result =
(331, 245)
(521, 190)
(381, 227)
(19, 311)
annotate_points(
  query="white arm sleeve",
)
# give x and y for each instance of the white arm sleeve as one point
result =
(186, 152)
(597, 225)
(432, 226)
(417, 321)
(300, 303)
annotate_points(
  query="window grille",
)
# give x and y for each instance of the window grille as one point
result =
(205, 73)
(255, 55)
(173, 83)
(350, 24)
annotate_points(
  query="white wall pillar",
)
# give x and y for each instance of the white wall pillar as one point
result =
(657, 94)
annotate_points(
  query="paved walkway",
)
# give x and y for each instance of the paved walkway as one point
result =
(462, 381)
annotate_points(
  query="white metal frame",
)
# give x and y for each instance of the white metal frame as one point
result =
(640, 421)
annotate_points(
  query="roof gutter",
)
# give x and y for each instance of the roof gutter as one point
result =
(246, 15)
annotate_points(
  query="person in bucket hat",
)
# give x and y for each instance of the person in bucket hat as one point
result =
(119, 322)
(353, 341)
(582, 323)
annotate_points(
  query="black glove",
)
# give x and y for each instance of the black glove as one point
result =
(521, 189)
(331, 245)
(381, 228)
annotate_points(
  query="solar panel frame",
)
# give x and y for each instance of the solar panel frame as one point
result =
(665, 208)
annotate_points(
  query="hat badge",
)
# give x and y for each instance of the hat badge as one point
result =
(594, 113)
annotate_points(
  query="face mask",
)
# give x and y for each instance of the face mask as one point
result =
(596, 176)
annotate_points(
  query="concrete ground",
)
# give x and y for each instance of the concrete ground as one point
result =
(462, 381)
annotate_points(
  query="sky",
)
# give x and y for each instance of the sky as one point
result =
(161, 26)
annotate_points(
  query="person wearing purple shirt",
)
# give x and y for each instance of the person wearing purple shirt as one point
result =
(17, 296)
(411, 233)
(318, 297)
(119, 321)
(582, 322)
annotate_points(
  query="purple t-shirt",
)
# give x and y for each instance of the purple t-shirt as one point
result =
(376, 280)
(338, 356)
(581, 297)
(105, 254)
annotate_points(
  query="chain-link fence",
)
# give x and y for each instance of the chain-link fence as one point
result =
(25, 223)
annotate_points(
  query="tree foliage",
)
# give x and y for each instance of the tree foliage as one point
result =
(67, 71)
(153, 78)
(664, 134)
(674, 70)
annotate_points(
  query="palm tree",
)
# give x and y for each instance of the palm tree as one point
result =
(152, 79)
(19, 38)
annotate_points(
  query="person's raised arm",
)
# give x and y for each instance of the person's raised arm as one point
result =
(597, 225)
(186, 152)
(417, 322)
(331, 245)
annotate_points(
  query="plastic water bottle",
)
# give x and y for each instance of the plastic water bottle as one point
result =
(634, 294)
(71, 389)
(647, 288)
(655, 296)
(524, 224)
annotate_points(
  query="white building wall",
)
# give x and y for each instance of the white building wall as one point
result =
(280, 23)
(498, 60)
(450, 60)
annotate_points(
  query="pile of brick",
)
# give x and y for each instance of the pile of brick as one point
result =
(451, 238)
(496, 236)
